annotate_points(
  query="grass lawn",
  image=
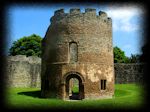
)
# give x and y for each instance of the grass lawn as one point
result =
(128, 96)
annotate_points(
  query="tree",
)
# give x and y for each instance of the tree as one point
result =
(134, 58)
(119, 55)
(29, 46)
(127, 60)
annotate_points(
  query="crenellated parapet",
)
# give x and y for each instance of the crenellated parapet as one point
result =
(76, 12)
(90, 12)
(59, 12)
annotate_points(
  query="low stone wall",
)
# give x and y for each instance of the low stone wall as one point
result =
(22, 71)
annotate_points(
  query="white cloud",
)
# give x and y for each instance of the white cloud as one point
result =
(129, 27)
(123, 18)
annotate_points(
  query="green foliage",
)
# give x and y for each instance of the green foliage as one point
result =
(119, 55)
(127, 60)
(29, 46)
(134, 58)
(75, 89)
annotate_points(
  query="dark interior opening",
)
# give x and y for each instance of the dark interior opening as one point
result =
(74, 87)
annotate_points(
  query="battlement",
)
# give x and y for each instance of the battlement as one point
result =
(76, 12)
(102, 14)
(59, 12)
(90, 11)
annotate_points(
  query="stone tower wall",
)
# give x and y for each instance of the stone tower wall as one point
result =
(92, 36)
(91, 32)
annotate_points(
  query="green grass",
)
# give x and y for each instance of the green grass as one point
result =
(126, 96)
(75, 89)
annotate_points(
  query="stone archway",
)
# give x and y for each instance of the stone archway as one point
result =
(67, 88)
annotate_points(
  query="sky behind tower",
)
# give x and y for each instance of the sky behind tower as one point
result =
(25, 20)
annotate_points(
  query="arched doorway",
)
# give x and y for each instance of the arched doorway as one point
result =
(74, 86)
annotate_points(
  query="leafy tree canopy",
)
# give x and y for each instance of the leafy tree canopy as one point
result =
(29, 46)
(135, 58)
(119, 55)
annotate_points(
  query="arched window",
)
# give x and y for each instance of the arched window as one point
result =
(73, 52)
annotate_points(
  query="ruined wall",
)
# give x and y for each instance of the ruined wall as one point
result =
(25, 72)
(129, 73)
(22, 71)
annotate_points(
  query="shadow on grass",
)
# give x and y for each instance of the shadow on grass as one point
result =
(35, 94)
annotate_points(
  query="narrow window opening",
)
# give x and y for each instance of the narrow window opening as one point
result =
(73, 52)
(103, 84)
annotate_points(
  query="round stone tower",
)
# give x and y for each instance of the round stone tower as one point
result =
(78, 45)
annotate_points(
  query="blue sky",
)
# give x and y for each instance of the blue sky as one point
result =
(25, 20)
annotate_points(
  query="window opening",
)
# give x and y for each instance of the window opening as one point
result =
(73, 52)
(103, 84)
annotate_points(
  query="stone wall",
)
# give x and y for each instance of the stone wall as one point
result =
(22, 71)
(129, 73)
(25, 71)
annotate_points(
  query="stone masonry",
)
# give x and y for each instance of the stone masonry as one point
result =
(19, 72)
(22, 71)
(78, 45)
(129, 73)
